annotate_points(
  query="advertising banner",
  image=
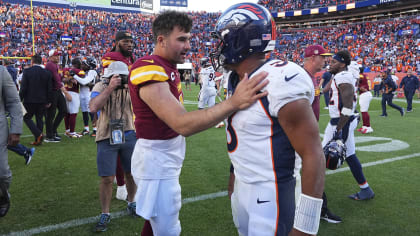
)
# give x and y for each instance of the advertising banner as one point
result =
(174, 3)
(95, 2)
(146, 5)
(126, 3)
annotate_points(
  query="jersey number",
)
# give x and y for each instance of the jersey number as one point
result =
(233, 144)
(279, 63)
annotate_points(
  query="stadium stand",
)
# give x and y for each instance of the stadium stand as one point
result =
(380, 43)
(288, 5)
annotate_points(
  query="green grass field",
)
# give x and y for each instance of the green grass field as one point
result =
(57, 194)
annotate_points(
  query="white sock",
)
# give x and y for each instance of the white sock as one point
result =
(363, 186)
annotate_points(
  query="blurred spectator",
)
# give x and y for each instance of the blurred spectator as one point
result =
(388, 86)
(9, 102)
(88, 32)
(58, 101)
(36, 94)
(377, 85)
(410, 83)
(12, 71)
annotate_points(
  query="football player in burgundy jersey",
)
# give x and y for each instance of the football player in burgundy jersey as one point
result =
(72, 87)
(365, 97)
(162, 122)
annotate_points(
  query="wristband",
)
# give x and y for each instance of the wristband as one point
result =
(346, 111)
(307, 214)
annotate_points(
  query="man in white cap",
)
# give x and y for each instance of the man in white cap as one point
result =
(115, 136)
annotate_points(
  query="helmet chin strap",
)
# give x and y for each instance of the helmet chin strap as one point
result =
(215, 57)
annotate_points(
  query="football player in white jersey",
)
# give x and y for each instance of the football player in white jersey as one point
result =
(343, 121)
(208, 86)
(263, 138)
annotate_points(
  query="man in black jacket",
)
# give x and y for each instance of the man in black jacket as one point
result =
(36, 95)
(388, 86)
(410, 83)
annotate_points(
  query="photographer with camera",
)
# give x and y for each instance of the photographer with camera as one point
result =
(115, 136)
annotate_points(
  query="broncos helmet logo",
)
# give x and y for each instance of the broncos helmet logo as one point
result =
(242, 30)
(241, 14)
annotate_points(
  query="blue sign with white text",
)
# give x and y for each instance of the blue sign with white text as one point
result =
(174, 3)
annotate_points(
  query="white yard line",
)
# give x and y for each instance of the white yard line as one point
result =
(115, 215)
(415, 100)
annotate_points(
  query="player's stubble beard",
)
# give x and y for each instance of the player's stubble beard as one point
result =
(126, 53)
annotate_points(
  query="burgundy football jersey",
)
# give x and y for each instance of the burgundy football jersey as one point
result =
(146, 70)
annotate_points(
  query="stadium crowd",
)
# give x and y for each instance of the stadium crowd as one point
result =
(379, 45)
(82, 33)
(290, 5)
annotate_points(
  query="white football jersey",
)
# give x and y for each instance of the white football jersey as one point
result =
(207, 77)
(258, 147)
(226, 74)
(335, 105)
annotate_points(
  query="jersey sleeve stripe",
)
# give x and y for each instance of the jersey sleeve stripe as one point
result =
(106, 63)
(148, 76)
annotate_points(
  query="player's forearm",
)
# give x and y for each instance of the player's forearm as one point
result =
(84, 81)
(99, 101)
(342, 122)
(196, 121)
(313, 174)
(327, 87)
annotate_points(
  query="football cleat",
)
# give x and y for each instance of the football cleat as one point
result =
(364, 194)
(367, 130)
(328, 216)
(335, 153)
(84, 132)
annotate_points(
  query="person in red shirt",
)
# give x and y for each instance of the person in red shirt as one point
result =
(58, 102)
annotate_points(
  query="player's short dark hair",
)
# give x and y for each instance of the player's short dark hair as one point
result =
(36, 59)
(76, 62)
(345, 55)
(165, 23)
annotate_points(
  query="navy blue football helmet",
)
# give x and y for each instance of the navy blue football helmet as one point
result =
(90, 62)
(335, 154)
(243, 29)
(205, 62)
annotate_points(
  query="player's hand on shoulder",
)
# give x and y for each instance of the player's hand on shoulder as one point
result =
(246, 92)
(338, 135)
